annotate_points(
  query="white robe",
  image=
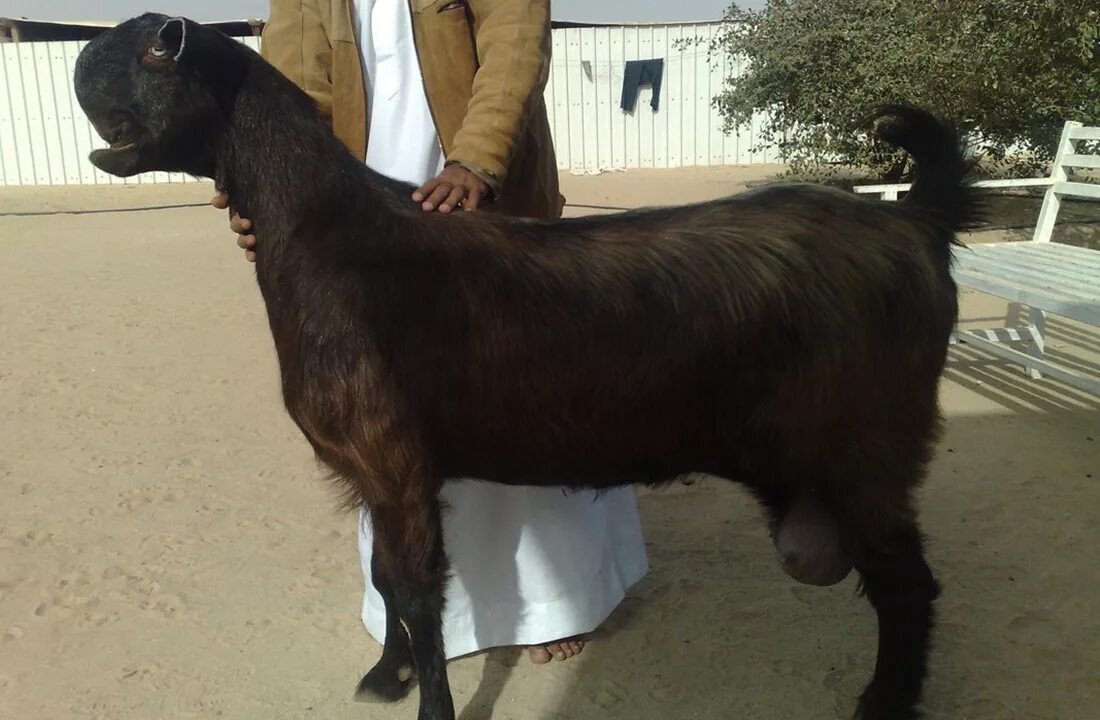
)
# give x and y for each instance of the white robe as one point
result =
(528, 565)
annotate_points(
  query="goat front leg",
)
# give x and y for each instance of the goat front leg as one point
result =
(389, 680)
(410, 558)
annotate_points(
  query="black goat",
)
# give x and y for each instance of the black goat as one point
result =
(790, 338)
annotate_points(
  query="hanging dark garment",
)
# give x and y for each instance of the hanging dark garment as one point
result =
(638, 73)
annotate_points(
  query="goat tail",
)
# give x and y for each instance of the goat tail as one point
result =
(943, 187)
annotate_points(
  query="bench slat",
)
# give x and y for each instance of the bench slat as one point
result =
(1013, 182)
(1060, 286)
(1009, 183)
(1036, 284)
(1082, 161)
(1058, 278)
(1078, 308)
(1085, 268)
(1077, 189)
(1084, 133)
(1041, 298)
(1056, 258)
(1009, 262)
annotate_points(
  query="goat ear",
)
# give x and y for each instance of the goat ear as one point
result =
(174, 36)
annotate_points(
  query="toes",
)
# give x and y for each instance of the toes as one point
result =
(539, 655)
(557, 650)
(567, 648)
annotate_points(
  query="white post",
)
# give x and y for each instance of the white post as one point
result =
(1048, 213)
(1037, 320)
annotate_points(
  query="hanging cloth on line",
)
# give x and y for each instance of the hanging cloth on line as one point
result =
(638, 73)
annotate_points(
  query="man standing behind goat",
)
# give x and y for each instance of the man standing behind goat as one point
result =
(447, 95)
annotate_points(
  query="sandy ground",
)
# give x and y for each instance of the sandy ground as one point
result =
(169, 549)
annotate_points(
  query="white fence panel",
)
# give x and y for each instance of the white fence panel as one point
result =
(10, 172)
(45, 138)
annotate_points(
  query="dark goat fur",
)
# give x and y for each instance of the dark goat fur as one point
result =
(790, 338)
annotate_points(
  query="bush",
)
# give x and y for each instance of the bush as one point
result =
(1011, 72)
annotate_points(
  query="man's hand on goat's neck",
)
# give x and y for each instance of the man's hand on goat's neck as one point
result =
(245, 240)
(454, 185)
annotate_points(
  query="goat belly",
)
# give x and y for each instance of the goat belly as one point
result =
(591, 419)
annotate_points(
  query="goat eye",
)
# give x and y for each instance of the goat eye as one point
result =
(158, 51)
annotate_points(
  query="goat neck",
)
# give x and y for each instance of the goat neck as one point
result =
(285, 170)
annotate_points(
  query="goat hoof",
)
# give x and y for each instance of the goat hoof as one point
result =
(873, 706)
(384, 684)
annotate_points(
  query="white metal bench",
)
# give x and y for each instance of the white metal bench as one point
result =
(1039, 274)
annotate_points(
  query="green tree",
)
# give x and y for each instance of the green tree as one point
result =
(1009, 71)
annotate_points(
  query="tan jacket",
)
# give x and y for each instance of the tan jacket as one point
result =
(485, 64)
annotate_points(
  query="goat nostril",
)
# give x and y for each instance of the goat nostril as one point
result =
(119, 132)
(120, 127)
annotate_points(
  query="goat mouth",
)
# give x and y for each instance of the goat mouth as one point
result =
(120, 158)
(118, 146)
(120, 130)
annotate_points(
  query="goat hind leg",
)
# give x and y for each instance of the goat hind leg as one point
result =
(901, 588)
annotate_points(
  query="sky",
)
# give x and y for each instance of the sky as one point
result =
(204, 10)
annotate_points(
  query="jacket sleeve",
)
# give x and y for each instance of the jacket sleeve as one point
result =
(513, 48)
(295, 42)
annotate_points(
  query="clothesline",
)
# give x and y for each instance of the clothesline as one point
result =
(668, 58)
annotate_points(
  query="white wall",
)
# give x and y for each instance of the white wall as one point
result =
(45, 138)
(591, 131)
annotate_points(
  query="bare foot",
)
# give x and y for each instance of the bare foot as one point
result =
(562, 650)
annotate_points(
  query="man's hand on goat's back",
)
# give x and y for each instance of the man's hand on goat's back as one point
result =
(451, 187)
(239, 225)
